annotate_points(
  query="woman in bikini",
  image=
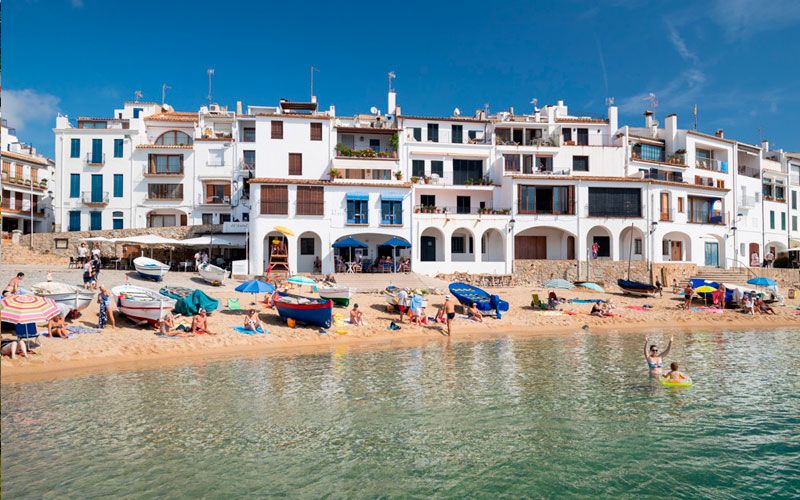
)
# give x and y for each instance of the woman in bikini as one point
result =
(653, 357)
(57, 328)
(200, 323)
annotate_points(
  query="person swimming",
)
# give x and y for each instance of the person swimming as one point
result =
(653, 357)
(674, 375)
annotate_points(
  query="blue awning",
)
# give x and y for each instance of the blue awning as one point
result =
(391, 197)
(358, 196)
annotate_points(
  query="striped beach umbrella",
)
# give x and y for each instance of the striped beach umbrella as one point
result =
(27, 309)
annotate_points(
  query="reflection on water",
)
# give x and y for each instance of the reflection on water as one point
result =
(554, 416)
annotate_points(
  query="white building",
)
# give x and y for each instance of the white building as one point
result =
(27, 186)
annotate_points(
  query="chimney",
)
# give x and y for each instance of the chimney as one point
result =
(671, 132)
(537, 115)
(648, 119)
(720, 133)
(613, 120)
(511, 110)
(765, 145)
(391, 104)
(551, 114)
(313, 98)
(238, 107)
(560, 103)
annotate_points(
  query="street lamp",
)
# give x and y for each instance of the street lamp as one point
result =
(511, 232)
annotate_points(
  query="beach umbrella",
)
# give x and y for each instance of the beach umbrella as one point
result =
(350, 243)
(396, 243)
(256, 286)
(284, 230)
(302, 280)
(762, 281)
(27, 309)
(559, 283)
(592, 286)
(705, 289)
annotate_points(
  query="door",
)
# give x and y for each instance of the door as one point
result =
(570, 248)
(428, 251)
(375, 145)
(530, 247)
(676, 250)
(349, 140)
(755, 255)
(665, 206)
(463, 204)
(95, 221)
(712, 254)
(97, 151)
(604, 242)
(75, 220)
(97, 188)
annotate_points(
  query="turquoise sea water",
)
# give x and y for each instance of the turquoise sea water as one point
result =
(555, 416)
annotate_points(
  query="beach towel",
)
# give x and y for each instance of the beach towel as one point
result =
(707, 309)
(571, 313)
(233, 305)
(639, 308)
(170, 337)
(247, 331)
(82, 329)
(587, 301)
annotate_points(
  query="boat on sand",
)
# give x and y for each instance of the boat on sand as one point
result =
(212, 274)
(150, 268)
(142, 304)
(308, 310)
(74, 297)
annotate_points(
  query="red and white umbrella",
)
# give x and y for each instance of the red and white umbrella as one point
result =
(27, 309)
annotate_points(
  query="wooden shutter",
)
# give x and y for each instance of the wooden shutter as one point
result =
(571, 200)
(316, 131)
(277, 129)
(275, 200)
(226, 190)
(34, 174)
(295, 164)
(209, 192)
(310, 200)
(183, 219)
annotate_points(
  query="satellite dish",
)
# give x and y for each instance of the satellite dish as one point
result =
(456, 112)
(373, 110)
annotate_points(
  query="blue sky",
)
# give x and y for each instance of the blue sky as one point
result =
(737, 59)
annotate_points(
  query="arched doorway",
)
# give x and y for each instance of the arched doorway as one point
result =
(493, 247)
(309, 253)
(713, 251)
(543, 242)
(431, 245)
(676, 247)
(276, 252)
(631, 244)
(599, 238)
(462, 245)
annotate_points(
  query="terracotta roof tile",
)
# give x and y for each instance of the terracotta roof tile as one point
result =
(445, 118)
(24, 157)
(576, 119)
(173, 116)
(321, 182)
(163, 146)
(709, 136)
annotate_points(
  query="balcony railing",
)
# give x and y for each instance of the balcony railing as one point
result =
(148, 172)
(343, 151)
(95, 159)
(716, 220)
(436, 209)
(665, 176)
(711, 164)
(213, 200)
(26, 182)
(216, 163)
(749, 171)
(94, 198)
(747, 201)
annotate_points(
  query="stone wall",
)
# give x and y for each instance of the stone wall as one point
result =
(479, 280)
(785, 278)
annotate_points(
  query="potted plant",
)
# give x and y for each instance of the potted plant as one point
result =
(342, 150)
(394, 141)
(335, 173)
(414, 179)
(398, 175)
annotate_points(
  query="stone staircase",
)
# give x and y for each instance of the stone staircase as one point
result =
(734, 276)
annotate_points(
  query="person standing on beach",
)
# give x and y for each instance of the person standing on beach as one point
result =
(687, 296)
(450, 312)
(653, 357)
(402, 303)
(82, 253)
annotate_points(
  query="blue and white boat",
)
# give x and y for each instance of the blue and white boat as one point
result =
(150, 268)
(308, 310)
(469, 294)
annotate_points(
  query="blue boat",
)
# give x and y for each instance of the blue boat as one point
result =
(637, 288)
(308, 310)
(469, 294)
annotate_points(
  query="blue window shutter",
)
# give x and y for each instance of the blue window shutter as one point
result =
(117, 185)
(75, 186)
(95, 221)
(97, 150)
(117, 148)
(117, 223)
(136, 112)
(74, 220)
(351, 211)
(75, 148)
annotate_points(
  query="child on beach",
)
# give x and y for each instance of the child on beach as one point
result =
(356, 316)
(474, 313)
(674, 375)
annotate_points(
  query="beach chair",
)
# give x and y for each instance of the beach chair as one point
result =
(27, 333)
(233, 305)
(536, 302)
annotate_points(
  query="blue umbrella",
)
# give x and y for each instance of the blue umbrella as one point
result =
(350, 243)
(255, 286)
(558, 283)
(762, 281)
(593, 286)
(395, 243)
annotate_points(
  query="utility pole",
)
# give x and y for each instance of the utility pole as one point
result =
(210, 72)
(164, 88)
(313, 70)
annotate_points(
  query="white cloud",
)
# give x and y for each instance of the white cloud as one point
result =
(680, 45)
(28, 107)
(740, 19)
(76, 4)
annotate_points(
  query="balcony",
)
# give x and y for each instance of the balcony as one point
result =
(23, 208)
(162, 173)
(677, 159)
(664, 176)
(94, 199)
(95, 160)
(213, 200)
(711, 164)
(715, 220)
(749, 171)
(23, 182)
(447, 181)
(747, 201)
(436, 209)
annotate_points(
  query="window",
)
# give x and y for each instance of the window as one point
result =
(218, 193)
(117, 185)
(316, 131)
(794, 223)
(637, 246)
(137, 112)
(705, 210)
(95, 221)
(772, 219)
(249, 134)
(680, 204)
(427, 200)
(75, 186)
(466, 170)
(418, 168)
(277, 129)
(159, 220)
(580, 163)
(567, 134)
(457, 244)
(274, 200)
(649, 152)
(223, 218)
(165, 164)
(165, 191)
(458, 133)
(417, 132)
(74, 220)
(546, 200)
(295, 164)
(544, 163)
(783, 221)
(511, 162)
(357, 212)
(116, 220)
(174, 138)
(75, 148)
(463, 204)
(249, 160)
(118, 148)
(92, 124)
(794, 200)
(437, 167)
(433, 132)
(391, 212)
(310, 200)
(307, 246)
(583, 137)
(615, 202)
(207, 219)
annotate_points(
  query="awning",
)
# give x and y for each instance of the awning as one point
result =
(392, 197)
(147, 239)
(358, 196)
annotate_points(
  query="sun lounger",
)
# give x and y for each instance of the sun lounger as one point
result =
(536, 302)
(233, 305)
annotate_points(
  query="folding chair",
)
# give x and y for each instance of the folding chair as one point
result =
(27, 333)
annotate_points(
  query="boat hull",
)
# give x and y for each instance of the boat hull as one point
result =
(77, 299)
(141, 304)
(317, 312)
(212, 274)
(150, 269)
(468, 294)
(339, 295)
(637, 289)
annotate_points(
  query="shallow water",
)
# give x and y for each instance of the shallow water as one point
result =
(554, 416)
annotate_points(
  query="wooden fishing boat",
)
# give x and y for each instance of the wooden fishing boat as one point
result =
(340, 295)
(142, 304)
(150, 268)
(637, 288)
(308, 310)
(468, 294)
(212, 274)
(74, 297)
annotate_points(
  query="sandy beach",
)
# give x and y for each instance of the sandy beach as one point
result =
(137, 347)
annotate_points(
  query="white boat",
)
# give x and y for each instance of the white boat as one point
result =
(73, 297)
(212, 274)
(150, 268)
(391, 291)
(340, 295)
(142, 304)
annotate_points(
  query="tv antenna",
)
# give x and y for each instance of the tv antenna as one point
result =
(313, 70)
(164, 88)
(137, 95)
(651, 97)
(373, 110)
(534, 102)
(391, 76)
(610, 101)
(456, 112)
(210, 72)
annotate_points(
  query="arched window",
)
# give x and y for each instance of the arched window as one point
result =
(174, 138)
